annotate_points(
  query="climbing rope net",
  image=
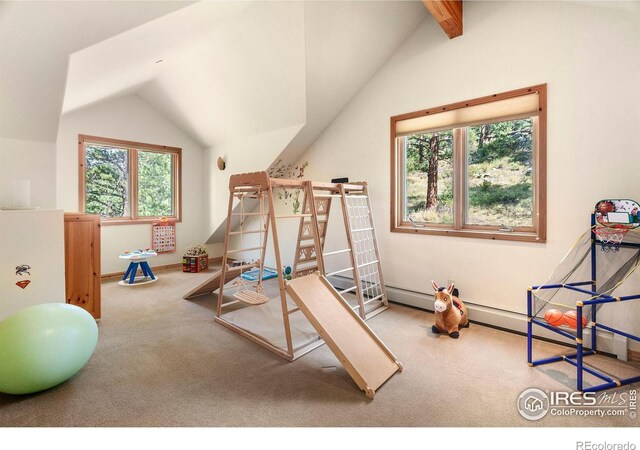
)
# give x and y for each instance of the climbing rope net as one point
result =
(364, 250)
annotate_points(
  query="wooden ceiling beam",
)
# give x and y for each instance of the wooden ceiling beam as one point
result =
(448, 13)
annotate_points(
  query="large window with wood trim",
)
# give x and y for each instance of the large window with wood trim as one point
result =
(128, 182)
(475, 168)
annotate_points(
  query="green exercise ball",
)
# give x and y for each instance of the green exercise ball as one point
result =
(44, 345)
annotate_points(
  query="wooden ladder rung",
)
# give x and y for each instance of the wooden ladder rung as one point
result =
(361, 229)
(246, 232)
(250, 214)
(373, 299)
(338, 271)
(246, 191)
(306, 265)
(312, 261)
(311, 264)
(367, 264)
(240, 250)
(291, 311)
(356, 196)
(351, 289)
(293, 216)
(327, 196)
(233, 302)
(337, 252)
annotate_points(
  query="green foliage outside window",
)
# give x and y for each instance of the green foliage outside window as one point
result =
(155, 193)
(499, 181)
(108, 182)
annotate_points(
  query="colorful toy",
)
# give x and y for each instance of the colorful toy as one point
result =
(138, 258)
(195, 259)
(571, 319)
(195, 250)
(286, 271)
(584, 282)
(252, 275)
(450, 311)
(554, 317)
(614, 219)
(44, 345)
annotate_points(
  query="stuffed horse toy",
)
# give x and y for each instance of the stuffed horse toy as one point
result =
(451, 314)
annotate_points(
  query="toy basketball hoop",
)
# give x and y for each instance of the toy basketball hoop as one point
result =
(610, 238)
(614, 218)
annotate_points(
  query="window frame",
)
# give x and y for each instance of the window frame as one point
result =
(132, 153)
(535, 233)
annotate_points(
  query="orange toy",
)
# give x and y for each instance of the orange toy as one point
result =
(554, 317)
(571, 319)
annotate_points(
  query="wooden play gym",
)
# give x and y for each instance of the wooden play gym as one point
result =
(314, 312)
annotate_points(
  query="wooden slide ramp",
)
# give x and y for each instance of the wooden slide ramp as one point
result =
(213, 283)
(367, 360)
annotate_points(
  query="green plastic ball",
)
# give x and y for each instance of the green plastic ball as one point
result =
(44, 345)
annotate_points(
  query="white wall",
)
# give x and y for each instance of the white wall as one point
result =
(130, 118)
(247, 153)
(589, 56)
(33, 161)
(246, 77)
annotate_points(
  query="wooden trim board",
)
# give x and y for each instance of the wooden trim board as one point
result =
(367, 360)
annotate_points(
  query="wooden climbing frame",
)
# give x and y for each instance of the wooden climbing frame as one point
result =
(317, 199)
(366, 281)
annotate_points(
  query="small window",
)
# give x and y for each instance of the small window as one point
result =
(127, 182)
(474, 168)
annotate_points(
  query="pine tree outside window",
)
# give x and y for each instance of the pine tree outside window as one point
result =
(475, 168)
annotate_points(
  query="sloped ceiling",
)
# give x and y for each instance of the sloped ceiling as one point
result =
(246, 77)
(36, 39)
(246, 67)
(254, 81)
(250, 81)
(124, 63)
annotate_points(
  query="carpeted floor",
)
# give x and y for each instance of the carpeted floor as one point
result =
(161, 361)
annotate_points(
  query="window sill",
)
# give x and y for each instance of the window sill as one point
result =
(150, 220)
(489, 234)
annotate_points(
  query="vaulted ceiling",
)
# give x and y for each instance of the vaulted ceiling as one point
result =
(36, 40)
(253, 81)
(215, 68)
(220, 69)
